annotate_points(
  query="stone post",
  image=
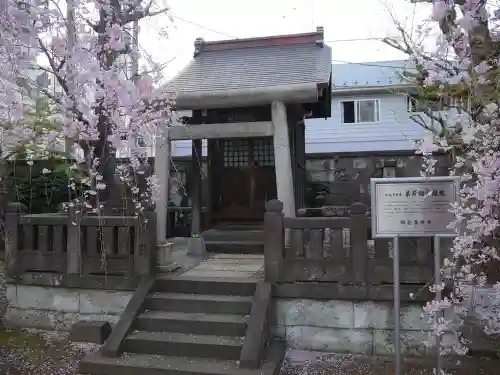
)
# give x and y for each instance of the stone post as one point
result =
(359, 240)
(274, 241)
(196, 243)
(283, 161)
(74, 249)
(162, 172)
(13, 212)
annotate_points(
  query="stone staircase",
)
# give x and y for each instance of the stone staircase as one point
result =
(187, 326)
(241, 239)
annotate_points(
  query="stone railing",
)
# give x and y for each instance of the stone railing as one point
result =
(78, 244)
(337, 250)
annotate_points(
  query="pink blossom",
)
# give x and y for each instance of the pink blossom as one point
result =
(59, 45)
(440, 9)
(475, 144)
(467, 22)
(95, 91)
(428, 146)
(145, 87)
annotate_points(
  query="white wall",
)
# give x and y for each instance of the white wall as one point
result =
(394, 131)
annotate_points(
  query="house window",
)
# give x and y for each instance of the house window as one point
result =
(23, 5)
(354, 111)
(442, 104)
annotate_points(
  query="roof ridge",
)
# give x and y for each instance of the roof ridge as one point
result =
(200, 45)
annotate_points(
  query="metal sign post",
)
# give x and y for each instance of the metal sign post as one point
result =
(397, 302)
(413, 207)
(437, 282)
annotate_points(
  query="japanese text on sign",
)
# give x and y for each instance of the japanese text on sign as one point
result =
(413, 208)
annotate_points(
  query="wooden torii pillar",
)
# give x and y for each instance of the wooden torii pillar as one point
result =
(196, 244)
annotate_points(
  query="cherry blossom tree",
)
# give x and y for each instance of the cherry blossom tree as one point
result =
(101, 106)
(461, 72)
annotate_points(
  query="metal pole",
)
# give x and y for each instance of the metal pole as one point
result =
(397, 297)
(437, 282)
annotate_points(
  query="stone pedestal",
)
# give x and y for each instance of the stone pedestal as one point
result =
(196, 246)
(164, 260)
(93, 331)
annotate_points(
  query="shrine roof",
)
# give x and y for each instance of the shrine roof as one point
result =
(283, 63)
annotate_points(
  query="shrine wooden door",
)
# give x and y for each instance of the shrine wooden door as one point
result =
(246, 180)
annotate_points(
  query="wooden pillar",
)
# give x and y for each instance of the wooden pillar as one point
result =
(212, 181)
(196, 244)
(300, 165)
(196, 159)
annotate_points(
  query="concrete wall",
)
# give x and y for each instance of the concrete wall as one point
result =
(59, 308)
(342, 179)
(349, 327)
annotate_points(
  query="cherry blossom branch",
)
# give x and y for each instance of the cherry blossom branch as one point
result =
(140, 14)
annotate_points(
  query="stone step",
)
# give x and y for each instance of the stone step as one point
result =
(205, 285)
(194, 303)
(196, 323)
(143, 364)
(235, 247)
(184, 345)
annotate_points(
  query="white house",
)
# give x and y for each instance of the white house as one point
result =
(370, 111)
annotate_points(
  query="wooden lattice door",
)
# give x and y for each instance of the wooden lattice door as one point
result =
(247, 178)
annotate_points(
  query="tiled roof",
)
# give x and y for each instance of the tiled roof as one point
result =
(369, 74)
(255, 63)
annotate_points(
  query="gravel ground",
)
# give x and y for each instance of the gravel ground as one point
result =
(3, 298)
(34, 352)
(315, 363)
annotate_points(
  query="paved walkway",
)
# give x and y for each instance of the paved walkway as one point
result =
(234, 266)
(239, 266)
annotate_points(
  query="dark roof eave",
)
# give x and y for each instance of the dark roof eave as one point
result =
(296, 93)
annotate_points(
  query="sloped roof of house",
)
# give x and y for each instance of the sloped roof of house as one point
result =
(370, 74)
(284, 65)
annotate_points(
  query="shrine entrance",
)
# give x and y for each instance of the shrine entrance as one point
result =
(251, 113)
(246, 179)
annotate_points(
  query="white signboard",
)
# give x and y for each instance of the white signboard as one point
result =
(412, 207)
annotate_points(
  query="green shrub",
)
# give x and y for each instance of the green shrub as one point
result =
(43, 186)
